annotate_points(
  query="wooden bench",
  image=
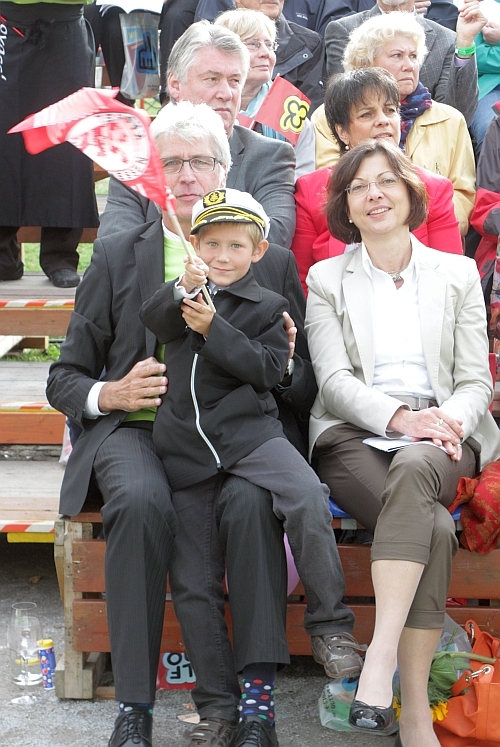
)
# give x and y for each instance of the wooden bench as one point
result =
(80, 562)
(32, 307)
(25, 415)
(29, 499)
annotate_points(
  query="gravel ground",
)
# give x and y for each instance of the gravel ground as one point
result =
(27, 574)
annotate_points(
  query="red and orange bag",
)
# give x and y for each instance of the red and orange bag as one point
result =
(473, 717)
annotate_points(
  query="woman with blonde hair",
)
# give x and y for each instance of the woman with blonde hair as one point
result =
(433, 135)
(258, 34)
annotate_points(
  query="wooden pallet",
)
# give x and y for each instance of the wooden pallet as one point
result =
(33, 307)
(80, 560)
(25, 415)
(29, 496)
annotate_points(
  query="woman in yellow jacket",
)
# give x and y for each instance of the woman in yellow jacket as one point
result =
(433, 135)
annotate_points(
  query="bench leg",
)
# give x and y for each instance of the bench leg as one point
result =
(76, 675)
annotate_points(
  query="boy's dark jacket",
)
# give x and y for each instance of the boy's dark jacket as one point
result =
(227, 378)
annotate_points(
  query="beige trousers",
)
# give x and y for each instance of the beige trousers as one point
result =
(402, 497)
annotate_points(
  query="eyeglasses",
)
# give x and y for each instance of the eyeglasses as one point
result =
(254, 45)
(359, 189)
(199, 164)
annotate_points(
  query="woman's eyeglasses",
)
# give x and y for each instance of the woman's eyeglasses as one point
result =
(198, 164)
(254, 45)
(359, 189)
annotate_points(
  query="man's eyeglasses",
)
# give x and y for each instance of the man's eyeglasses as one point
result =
(359, 189)
(254, 45)
(199, 164)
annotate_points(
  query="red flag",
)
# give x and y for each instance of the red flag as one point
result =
(245, 121)
(284, 109)
(112, 134)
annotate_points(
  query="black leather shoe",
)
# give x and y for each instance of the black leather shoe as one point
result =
(132, 729)
(374, 719)
(255, 732)
(65, 278)
(15, 275)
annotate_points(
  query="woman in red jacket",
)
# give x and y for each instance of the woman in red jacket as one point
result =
(365, 104)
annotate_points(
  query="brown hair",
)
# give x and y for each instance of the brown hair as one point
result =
(345, 171)
(347, 90)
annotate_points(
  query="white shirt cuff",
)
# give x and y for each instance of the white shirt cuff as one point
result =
(91, 409)
(181, 292)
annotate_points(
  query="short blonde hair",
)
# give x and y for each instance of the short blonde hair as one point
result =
(246, 23)
(367, 41)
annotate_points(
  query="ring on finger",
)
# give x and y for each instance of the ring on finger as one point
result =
(440, 421)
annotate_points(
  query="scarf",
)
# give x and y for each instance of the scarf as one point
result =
(413, 106)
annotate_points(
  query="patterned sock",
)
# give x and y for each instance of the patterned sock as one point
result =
(125, 707)
(257, 698)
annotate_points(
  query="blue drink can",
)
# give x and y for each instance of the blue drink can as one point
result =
(47, 662)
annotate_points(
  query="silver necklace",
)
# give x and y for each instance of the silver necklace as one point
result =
(397, 275)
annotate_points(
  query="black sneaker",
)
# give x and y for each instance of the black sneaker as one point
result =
(132, 729)
(211, 732)
(255, 732)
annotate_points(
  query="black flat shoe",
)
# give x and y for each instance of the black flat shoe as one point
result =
(374, 719)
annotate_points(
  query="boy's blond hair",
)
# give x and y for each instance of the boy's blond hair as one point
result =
(253, 230)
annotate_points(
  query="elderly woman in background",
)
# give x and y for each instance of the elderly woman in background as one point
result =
(364, 104)
(397, 336)
(433, 135)
(258, 33)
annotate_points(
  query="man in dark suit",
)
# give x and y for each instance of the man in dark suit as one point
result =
(209, 64)
(108, 380)
(449, 70)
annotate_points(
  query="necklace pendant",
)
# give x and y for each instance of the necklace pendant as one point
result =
(395, 276)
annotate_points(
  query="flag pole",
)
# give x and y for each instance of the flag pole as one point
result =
(171, 204)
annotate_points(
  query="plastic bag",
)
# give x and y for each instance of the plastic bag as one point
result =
(66, 446)
(141, 76)
(334, 703)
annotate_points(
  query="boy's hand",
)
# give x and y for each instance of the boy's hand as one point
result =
(195, 274)
(197, 315)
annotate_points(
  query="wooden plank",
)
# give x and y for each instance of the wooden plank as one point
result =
(88, 565)
(76, 684)
(31, 234)
(34, 285)
(34, 322)
(90, 631)
(31, 427)
(22, 381)
(475, 576)
(29, 492)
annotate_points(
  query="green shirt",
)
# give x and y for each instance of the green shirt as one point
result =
(174, 267)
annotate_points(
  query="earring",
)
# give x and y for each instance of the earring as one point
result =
(350, 221)
(347, 147)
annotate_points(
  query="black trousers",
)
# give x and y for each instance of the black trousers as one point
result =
(108, 34)
(58, 250)
(228, 522)
(232, 520)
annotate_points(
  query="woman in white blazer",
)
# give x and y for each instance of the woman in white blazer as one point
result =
(397, 336)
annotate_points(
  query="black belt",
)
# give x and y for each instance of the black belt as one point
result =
(416, 403)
